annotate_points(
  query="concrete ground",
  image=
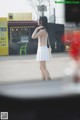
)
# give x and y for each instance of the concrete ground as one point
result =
(25, 68)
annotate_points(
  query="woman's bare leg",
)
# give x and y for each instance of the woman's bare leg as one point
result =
(48, 75)
(42, 73)
(45, 71)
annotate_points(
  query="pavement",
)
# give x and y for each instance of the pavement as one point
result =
(26, 68)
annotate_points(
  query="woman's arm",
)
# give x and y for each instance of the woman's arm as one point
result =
(36, 34)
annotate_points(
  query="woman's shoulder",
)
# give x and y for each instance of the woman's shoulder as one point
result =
(43, 31)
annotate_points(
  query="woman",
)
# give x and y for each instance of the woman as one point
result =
(41, 33)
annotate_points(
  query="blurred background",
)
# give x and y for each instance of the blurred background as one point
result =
(18, 19)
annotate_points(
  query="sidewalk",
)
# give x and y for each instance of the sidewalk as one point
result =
(23, 68)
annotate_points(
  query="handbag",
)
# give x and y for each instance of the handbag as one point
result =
(49, 48)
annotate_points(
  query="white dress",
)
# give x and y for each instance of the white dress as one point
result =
(42, 53)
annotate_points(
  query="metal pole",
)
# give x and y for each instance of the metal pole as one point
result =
(49, 9)
(54, 16)
(42, 13)
(55, 47)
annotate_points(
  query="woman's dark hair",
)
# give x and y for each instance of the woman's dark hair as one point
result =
(44, 22)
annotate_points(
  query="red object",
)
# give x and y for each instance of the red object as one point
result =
(74, 39)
